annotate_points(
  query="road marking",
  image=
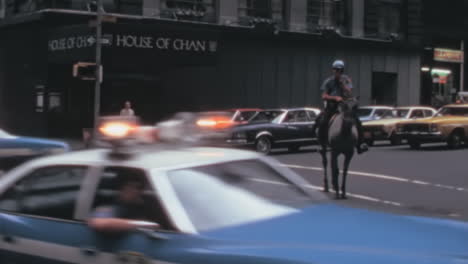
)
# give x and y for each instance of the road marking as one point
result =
(315, 187)
(384, 177)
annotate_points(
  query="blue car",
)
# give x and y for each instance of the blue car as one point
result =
(17, 149)
(212, 205)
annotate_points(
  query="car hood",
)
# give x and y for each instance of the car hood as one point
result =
(439, 120)
(334, 234)
(381, 122)
(40, 143)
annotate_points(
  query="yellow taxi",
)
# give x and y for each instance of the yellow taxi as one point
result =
(449, 124)
(385, 127)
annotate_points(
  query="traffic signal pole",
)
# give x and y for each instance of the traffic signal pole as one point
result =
(97, 84)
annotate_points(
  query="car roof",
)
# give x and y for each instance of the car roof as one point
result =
(302, 108)
(456, 105)
(416, 107)
(245, 109)
(150, 157)
(376, 107)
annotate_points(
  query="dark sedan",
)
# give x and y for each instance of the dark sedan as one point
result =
(291, 128)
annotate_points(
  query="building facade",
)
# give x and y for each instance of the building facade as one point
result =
(443, 71)
(189, 55)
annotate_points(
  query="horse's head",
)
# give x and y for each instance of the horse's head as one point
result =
(347, 107)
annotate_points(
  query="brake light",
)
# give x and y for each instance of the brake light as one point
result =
(215, 122)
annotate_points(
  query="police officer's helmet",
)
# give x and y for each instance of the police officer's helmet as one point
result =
(338, 64)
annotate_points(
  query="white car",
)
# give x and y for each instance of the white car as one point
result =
(385, 127)
(373, 112)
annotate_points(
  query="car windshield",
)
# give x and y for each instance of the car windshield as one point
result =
(244, 115)
(401, 113)
(266, 116)
(453, 111)
(362, 112)
(278, 119)
(235, 193)
(383, 114)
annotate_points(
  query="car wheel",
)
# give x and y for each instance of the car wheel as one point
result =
(263, 145)
(293, 148)
(370, 142)
(414, 144)
(455, 140)
(395, 140)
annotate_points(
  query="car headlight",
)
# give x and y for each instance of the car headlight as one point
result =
(434, 128)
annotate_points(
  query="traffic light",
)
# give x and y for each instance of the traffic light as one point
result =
(84, 70)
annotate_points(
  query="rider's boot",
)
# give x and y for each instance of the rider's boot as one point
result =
(361, 146)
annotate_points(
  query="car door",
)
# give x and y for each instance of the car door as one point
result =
(289, 129)
(38, 212)
(304, 122)
(135, 246)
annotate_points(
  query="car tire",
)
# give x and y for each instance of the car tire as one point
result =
(395, 140)
(414, 144)
(369, 142)
(455, 140)
(263, 145)
(293, 148)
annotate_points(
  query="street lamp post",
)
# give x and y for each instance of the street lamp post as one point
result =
(97, 84)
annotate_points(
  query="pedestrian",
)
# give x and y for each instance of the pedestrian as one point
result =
(127, 110)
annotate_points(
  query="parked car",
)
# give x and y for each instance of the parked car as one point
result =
(242, 115)
(385, 128)
(17, 149)
(449, 124)
(292, 129)
(266, 116)
(369, 113)
(204, 205)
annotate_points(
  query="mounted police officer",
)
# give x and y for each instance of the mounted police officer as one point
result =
(336, 89)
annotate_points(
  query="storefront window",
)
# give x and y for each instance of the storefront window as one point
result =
(327, 15)
(195, 10)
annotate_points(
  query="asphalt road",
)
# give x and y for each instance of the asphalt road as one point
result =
(432, 181)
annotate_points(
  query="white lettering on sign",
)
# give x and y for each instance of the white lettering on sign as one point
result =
(70, 43)
(163, 43)
(129, 41)
(189, 45)
(133, 41)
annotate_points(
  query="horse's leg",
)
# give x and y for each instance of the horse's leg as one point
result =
(323, 152)
(348, 157)
(335, 173)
